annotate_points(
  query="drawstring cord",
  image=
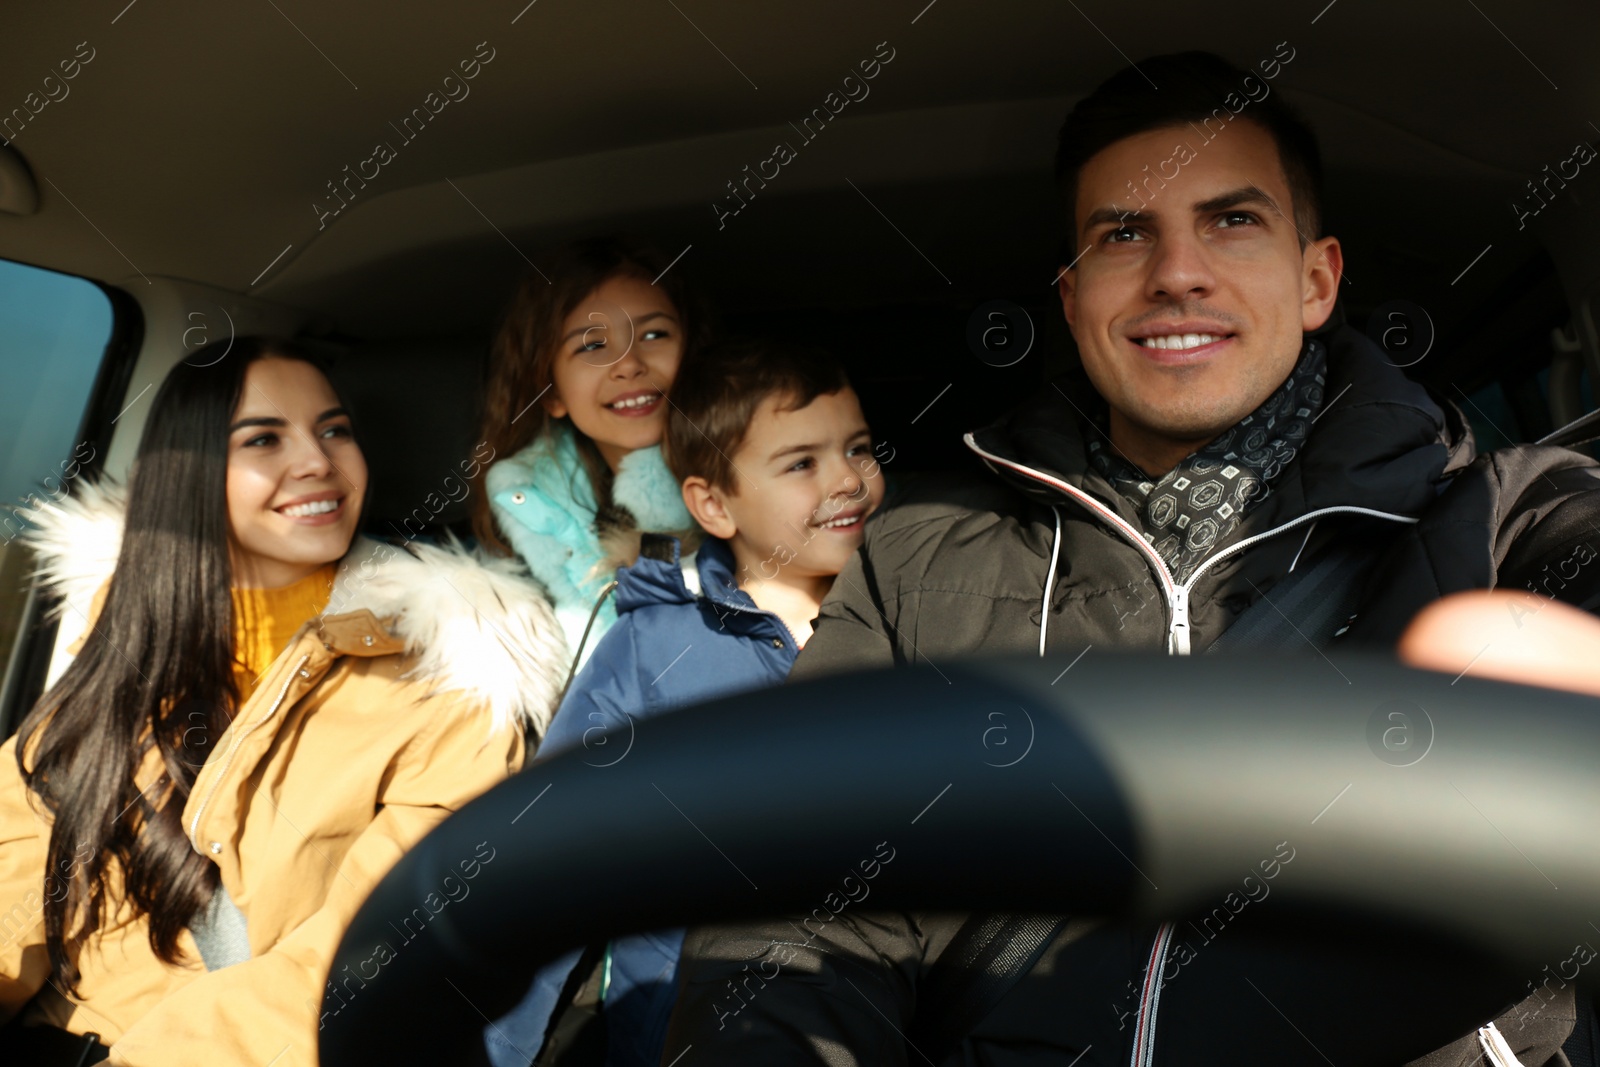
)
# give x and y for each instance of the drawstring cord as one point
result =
(1302, 548)
(578, 656)
(1050, 580)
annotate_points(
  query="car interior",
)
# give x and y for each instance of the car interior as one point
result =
(378, 180)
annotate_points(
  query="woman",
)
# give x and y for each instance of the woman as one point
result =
(266, 713)
(575, 406)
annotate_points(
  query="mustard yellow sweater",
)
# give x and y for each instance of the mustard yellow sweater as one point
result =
(265, 619)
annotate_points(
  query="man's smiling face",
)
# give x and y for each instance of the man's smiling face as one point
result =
(1188, 307)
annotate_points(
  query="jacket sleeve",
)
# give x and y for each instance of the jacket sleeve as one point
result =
(24, 839)
(853, 630)
(787, 994)
(265, 1010)
(1525, 519)
(1548, 539)
(606, 695)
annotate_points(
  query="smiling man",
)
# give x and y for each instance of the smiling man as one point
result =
(1225, 427)
(1232, 465)
(1190, 311)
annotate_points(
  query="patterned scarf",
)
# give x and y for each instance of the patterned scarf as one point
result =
(1199, 502)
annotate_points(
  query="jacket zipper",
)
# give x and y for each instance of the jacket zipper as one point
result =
(222, 769)
(1177, 596)
(1169, 587)
(1178, 643)
(1310, 516)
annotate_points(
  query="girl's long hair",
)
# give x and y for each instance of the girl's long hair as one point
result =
(524, 352)
(152, 689)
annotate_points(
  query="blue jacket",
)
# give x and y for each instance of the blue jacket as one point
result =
(672, 646)
(544, 504)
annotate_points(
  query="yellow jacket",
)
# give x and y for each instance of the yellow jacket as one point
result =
(383, 716)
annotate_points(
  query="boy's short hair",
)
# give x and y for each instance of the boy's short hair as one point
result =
(717, 392)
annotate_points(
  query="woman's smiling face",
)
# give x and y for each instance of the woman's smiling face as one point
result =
(296, 477)
(614, 363)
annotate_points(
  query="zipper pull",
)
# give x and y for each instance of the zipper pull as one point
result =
(1178, 633)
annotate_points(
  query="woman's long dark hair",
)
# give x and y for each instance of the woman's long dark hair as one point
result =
(523, 356)
(153, 683)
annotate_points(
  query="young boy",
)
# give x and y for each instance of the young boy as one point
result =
(776, 464)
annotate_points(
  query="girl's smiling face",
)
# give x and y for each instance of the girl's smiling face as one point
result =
(296, 477)
(614, 363)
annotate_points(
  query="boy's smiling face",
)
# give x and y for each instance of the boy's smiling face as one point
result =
(805, 483)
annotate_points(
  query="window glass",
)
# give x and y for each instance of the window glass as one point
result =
(54, 329)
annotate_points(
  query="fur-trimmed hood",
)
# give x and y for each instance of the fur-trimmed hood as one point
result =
(469, 622)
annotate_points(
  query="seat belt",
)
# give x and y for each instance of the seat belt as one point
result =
(1313, 603)
(575, 1036)
(1583, 1044)
(221, 932)
(1580, 431)
(987, 957)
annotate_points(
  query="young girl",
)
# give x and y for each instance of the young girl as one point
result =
(576, 405)
(266, 712)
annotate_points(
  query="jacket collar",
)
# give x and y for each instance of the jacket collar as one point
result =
(551, 465)
(1381, 441)
(468, 622)
(544, 504)
(654, 580)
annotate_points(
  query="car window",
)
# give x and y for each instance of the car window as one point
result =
(54, 332)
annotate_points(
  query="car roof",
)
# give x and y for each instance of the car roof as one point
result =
(195, 142)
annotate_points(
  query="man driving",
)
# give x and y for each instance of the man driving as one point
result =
(1231, 461)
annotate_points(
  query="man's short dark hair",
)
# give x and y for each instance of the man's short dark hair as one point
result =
(717, 393)
(1193, 87)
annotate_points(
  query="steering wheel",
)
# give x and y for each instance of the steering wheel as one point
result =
(1442, 838)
